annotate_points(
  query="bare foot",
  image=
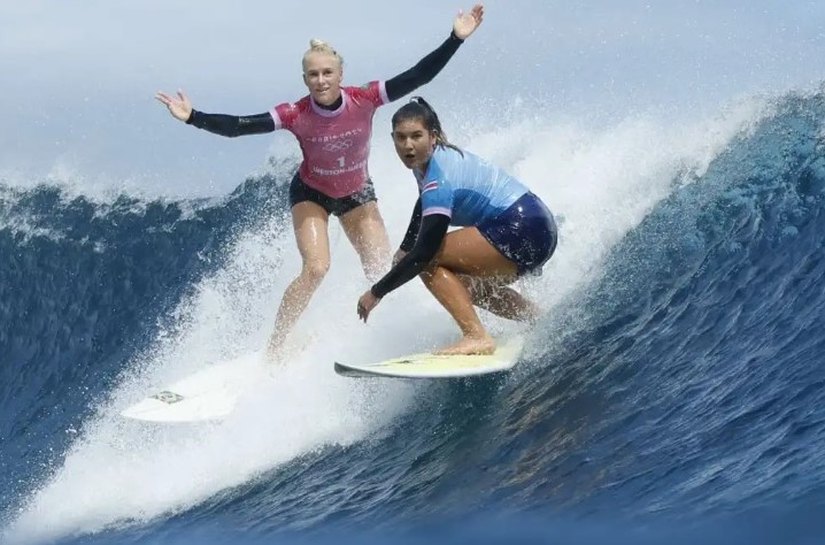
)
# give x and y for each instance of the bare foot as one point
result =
(470, 346)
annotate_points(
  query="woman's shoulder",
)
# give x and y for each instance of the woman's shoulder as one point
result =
(372, 92)
(295, 107)
(449, 155)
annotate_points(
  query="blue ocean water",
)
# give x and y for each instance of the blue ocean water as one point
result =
(678, 396)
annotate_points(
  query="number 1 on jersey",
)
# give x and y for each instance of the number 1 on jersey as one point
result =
(341, 161)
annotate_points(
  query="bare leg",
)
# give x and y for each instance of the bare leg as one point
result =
(310, 222)
(466, 252)
(494, 296)
(365, 229)
(454, 296)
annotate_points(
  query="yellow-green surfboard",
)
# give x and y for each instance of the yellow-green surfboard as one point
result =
(427, 365)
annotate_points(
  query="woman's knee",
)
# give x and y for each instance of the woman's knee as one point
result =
(428, 274)
(435, 274)
(315, 270)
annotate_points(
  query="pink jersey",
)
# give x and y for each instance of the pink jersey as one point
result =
(335, 144)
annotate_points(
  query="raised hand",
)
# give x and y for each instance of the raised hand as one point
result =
(466, 23)
(180, 107)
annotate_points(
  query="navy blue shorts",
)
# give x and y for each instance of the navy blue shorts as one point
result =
(525, 233)
(300, 192)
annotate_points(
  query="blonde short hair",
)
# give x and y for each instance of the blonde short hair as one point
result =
(320, 46)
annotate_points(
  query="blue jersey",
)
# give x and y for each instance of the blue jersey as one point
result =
(466, 188)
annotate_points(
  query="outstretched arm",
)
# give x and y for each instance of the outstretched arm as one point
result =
(225, 125)
(428, 67)
(232, 125)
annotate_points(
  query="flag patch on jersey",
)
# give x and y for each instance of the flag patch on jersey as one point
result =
(429, 186)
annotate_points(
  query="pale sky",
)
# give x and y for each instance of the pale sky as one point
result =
(79, 75)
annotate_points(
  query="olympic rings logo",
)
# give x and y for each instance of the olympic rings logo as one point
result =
(338, 145)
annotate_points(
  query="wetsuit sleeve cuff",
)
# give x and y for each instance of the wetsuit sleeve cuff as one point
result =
(191, 118)
(456, 38)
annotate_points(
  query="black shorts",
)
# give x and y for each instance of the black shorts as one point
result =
(300, 192)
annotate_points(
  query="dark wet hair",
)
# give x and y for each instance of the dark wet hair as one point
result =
(418, 109)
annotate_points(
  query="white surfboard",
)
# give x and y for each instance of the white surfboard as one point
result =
(209, 394)
(427, 365)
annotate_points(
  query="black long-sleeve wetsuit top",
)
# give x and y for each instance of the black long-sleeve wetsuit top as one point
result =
(402, 84)
(422, 242)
